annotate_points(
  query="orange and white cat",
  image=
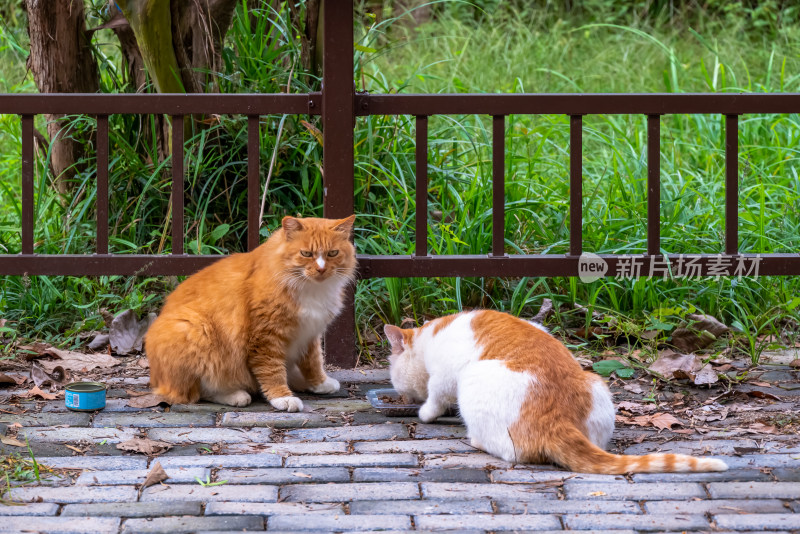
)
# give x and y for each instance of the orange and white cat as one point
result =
(253, 322)
(522, 395)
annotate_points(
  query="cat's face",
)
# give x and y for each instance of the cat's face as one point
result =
(407, 367)
(319, 249)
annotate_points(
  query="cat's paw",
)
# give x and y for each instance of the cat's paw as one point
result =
(287, 404)
(428, 413)
(237, 398)
(331, 385)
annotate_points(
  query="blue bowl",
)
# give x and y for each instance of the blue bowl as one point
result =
(85, 396)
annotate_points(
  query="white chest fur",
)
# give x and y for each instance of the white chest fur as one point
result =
(319, 304)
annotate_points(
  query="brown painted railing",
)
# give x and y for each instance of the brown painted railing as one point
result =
(339, 105)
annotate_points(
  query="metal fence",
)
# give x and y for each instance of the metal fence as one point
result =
(339, 105)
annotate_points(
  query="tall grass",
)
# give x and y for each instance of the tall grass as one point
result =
(494, 49)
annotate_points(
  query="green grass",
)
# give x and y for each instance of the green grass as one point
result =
(502, 49)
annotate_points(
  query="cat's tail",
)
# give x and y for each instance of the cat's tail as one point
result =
(573, 450)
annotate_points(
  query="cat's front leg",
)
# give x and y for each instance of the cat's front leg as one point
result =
(269, 368)
(311, 366)
(438, 401)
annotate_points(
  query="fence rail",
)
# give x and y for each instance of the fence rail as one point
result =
(339, 107)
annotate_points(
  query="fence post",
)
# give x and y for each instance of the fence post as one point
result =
(338, 93)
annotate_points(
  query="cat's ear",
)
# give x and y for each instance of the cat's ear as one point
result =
(291, 226)
(395, 337)
(344, 226)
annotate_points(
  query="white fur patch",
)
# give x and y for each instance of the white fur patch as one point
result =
(539, 326)
(320, 262)
(319, 303)
(287, 404)
(490, 397)
(600, 423)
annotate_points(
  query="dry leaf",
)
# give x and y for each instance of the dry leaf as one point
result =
(156, 475)
(143, 363)
(146, 446)
(635, 407)
(706, 375)
(671, 364)
(302, 475)
(633, 388)
(762, 428)
(99, 341)
(795, 363)
(146, 401)
(76, 449)
(127, 332)
(664, 421)
(76, 361)
(6, 380)
(38, 392)
(8, 440)
(699, 333)
(597, 494)
(57, 378)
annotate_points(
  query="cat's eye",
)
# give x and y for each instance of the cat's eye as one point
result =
(305, 253)
(332, 253)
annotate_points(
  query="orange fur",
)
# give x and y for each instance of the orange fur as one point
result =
(239, 325)
(554, 415)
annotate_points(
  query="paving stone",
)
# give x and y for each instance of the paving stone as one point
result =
(493, 522)
(196, 492)
(36, 508)
(357, 376)
(102, 463)
(48, 419)
(349, 492)
(349, 433)
(209, 435)
(786, 474)
(277, 475)
(175, 525)
(421, 507)
(460, 491)
(734, 475)
(338, 523)
(153, 419)
(754, 490)
(222, 460)
(527, 475)
(336, 406)
(72, 525)
(758, 521)
(683, 522)
(715, 506)
(415, 446)
(695, 448)
(285, 449)
(128, 382)
(384, 474)
(69, 435)
(271, 508)
(426, 431)
(610, 492)
(133, 509)
(508, 506)
(177, 475)
(274, 419)
(353, 460)
(755, 461)
(121, 405)
(73, 494)
(475, 460)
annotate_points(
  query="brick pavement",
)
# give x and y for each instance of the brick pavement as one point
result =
(341, 467)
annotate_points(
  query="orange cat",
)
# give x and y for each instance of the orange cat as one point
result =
(522, 395)
(253, 322)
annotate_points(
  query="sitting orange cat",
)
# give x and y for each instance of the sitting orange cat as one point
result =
(253, 321)
(522, 395)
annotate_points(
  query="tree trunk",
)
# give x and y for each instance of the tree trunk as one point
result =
(61, 61)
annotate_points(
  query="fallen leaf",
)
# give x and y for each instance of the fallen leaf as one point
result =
(146, 446)
(544, 311)
(99, 341)
(301, 475)
(762, 395)
(76, 449)
(671, 364)
(606, 367)
(597, 494)
(706, 375)
(633, 388)
(635, 407)
(7, 440)
(143, 363)
(127, 332)
(38, 392)
(76, 361)
(58, 377)
(146, 401)
(664, 421)
(700, 332)
(6, 380)
(795, 363)
(156, 475)
(762, 428)
(760, 384)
